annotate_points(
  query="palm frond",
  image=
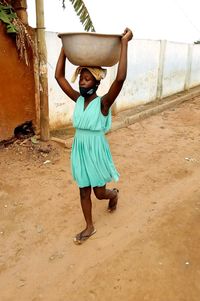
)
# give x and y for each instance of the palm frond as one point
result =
(23, 40)
(83, 14)
(7, 15)
(16, 28)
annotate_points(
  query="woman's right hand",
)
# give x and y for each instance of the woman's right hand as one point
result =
(127, 34)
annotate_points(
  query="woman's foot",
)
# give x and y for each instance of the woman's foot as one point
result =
(84, 235)
(112, 205)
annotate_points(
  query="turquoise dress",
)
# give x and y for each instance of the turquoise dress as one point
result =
(91, 159)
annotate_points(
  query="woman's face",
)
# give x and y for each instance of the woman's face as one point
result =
(86, 80)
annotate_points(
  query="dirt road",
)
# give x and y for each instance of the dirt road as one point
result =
(147, 250)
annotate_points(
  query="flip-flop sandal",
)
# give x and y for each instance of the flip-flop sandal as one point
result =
(80, 238)
(113, 207)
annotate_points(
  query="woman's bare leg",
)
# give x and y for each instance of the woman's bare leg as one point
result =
(111, 194)
(86, 204)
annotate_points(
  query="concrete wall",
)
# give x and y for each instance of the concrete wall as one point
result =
(156, 69)
(17, 93)
(175, 68)
(141, 81)
(194, 79)
(60, 106)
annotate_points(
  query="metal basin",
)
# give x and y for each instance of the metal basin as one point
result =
(91, 49)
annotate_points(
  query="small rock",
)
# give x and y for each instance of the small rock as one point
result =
(46, 162)
(44, 149)
(22, 283)
(39, 228)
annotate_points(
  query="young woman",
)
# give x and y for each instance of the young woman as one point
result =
(91, 159)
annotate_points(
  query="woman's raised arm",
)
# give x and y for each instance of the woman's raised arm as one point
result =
(60, 77)
(109, 98)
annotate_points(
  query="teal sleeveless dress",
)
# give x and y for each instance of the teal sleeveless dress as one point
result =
(91, 159)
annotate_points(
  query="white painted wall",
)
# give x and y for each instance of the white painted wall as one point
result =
(195, 66)
(141, 82)
(60, 107)
(175, 68)
(155, 69)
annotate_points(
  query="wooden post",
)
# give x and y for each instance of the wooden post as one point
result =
(43, 79)
(37, 89)
(20, 7)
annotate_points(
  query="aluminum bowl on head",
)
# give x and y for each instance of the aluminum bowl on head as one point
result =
(91, 49)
